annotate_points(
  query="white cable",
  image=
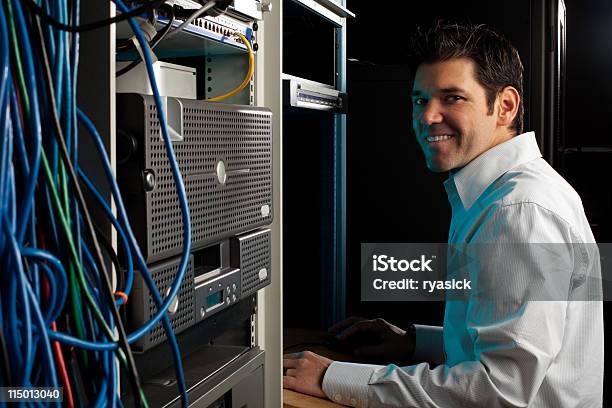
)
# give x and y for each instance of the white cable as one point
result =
(192, 17)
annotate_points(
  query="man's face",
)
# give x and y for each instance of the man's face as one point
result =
(450, 116)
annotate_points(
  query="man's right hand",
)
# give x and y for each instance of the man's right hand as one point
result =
(387, 343)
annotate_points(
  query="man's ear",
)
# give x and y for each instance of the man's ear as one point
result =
(508, 101)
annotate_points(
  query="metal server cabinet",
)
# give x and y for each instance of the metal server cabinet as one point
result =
(239, 377)
(314, 169)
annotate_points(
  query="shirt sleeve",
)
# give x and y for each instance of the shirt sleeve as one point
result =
(351, 385)
(510, 344)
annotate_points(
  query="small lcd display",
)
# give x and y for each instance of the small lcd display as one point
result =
(214, 299)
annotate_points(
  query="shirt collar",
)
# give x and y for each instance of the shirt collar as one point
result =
(472, 180)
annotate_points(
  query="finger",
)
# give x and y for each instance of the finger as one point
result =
(297, 355)
(343, 324)
(292, 372)
(290, 362)
(289, 382)
(363, 326)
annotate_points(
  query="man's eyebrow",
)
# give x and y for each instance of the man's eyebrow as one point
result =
(449, 90)
(452, 89)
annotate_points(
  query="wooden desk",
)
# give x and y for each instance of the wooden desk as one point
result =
(296, 340)
(292, 399)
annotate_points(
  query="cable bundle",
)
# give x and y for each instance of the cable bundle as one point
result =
(60, 322)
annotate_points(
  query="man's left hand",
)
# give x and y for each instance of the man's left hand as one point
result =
(305, 372)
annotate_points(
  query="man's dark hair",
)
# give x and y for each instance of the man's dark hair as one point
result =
(497, 62)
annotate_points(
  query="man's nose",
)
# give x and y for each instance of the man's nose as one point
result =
(431, 114)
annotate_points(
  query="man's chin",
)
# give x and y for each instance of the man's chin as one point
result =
(438, 167)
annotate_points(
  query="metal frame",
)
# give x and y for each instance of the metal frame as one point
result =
(333, 285)
(270, 301)
(548, 76)
(97, 99)
(328, 9)
(332, 265)
(339, 284)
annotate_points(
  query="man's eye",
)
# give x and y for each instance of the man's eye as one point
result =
(419, 101)
(454, 98)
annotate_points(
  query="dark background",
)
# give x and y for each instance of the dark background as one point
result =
(391, 197)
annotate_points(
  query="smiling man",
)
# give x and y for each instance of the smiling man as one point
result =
(452, 116)
(509, 346)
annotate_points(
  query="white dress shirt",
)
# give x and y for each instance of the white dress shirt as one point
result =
(501, 354)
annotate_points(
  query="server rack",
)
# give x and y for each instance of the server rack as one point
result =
(247, 361)
(314, 189)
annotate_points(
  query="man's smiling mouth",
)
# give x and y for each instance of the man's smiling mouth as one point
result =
(438, 138)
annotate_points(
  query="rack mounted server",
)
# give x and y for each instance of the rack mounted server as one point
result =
(225, 158)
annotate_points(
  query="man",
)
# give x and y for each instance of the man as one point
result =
(468, 118)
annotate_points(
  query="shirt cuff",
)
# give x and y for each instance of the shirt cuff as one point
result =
(347, 383)
(429, 344)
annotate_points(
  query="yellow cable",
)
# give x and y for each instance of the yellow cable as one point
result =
(248, 77)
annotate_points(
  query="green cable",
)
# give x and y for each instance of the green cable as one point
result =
(81, 278)
(76, 304)
(88, 296)
(57, 203)
(63, 186)
(76, 309)
(143, 397)
(15, 47)
(25, 97)
(75, 283)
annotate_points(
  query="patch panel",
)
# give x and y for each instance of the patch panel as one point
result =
(221, 28)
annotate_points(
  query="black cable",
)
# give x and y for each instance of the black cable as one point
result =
(125, 44)
(154, 43)
(108, 248)
(134, 378)
(6, 369)
(39, 11)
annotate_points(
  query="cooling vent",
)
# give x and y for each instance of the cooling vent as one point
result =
(254, 252)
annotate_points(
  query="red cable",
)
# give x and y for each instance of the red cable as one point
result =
(59, 360)
(57, 349)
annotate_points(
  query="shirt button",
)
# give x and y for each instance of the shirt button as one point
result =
(338, 397)
(353, 401)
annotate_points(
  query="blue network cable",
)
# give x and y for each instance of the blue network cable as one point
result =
(22, 289)
(178, 180)
(93, 270)
(35, 121)
(41, 286)
(22, 297)
(162, 306)
(161, 312)
(61, 273)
